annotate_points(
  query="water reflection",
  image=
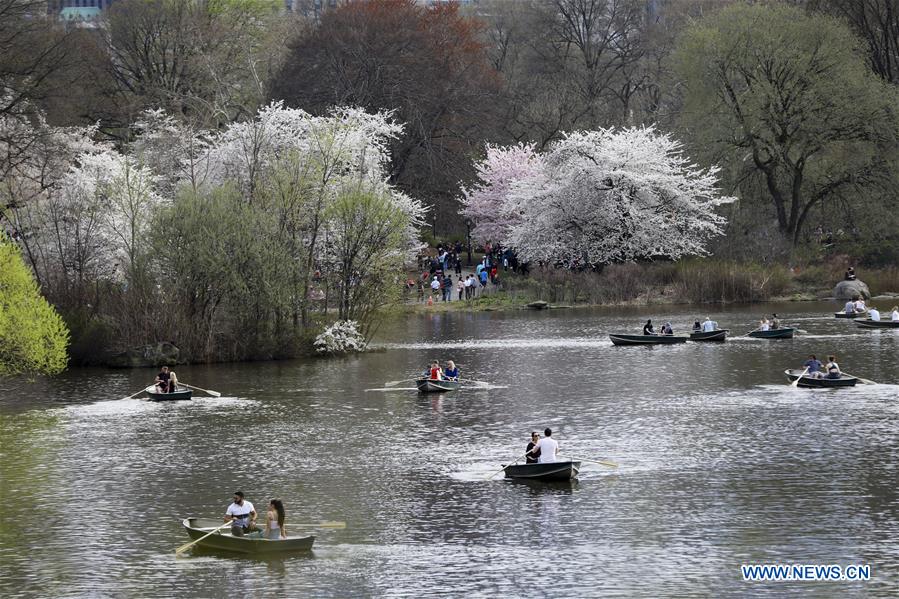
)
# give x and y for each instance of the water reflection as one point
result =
(721, 463)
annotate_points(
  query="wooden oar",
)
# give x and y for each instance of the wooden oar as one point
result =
(136, 394)
(212, 393)
(187, 546)
(798, 378)
(504, 467)
(861, 380)
(608, 463)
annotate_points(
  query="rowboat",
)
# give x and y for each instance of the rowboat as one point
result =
(549, 472)
(806, 380)
(848, 314)
(178, 393)
(623, 339)
(248, 545)
(878, 324)
(716, 335)
(436, 386)
(781, 333)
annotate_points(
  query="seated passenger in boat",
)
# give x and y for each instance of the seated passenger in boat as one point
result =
(764, 325)
(832, 368)
(894, 315)
(173, 381)
(532, 453)
(775, 321)
(451, 372)
(666, 329)
(849, 308)
(274, 521)
(709, 325)
(860, 305)
(435, 373)
(648, 329)
(697, 328)
(874, 313)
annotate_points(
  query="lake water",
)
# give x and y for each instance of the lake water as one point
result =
(721, 464)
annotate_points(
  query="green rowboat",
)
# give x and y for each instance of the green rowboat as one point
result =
(248, 545)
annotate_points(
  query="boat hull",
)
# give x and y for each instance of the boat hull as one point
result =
(432, 386)
(813, 383)
(717, 335)
(781, 333)
(878, 324)
(849, 314)
(223, 541)
(646, 339)
(180, 394)
(550, 472)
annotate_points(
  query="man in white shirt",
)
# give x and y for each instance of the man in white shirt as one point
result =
(709, 325)
(242, 515)
(873, 313)
(548, 448)
(894, 315)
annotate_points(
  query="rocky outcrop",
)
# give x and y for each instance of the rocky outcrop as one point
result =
(847, 290)
(146, 356)
(538, 305)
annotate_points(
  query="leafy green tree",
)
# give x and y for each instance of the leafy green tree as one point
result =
(784, 98)
(33, 337)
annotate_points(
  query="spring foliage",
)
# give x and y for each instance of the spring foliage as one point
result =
(33, 338)
(596, 197)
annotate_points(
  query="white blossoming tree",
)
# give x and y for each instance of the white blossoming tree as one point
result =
(603, 196)
(487, 202)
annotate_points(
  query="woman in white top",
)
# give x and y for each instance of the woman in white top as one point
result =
(274, 521)
(894, 315)
(764, 325)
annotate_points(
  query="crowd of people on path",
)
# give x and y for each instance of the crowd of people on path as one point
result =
(437, 282)
(242, 516)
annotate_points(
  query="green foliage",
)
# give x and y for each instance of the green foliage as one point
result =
(226, 274)
(785, 99)
(33, 337)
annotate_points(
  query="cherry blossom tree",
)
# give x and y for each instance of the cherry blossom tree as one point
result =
(596, 197)
(486, 202)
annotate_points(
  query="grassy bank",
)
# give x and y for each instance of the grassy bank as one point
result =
(692, 281)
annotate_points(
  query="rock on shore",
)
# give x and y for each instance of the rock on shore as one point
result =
(847, 290)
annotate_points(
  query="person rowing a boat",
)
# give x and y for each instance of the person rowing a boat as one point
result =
(709, 325)
(814, 366)
(873, 314)
(849, 308)
(451, 372)
(894, 314)
(547, 447)
(435, 373)
(242, 516)
(163, 379)
(860, 305)
(775, 321)
(764, 325)
(647, 328)
(666, 329)
(530, 455)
